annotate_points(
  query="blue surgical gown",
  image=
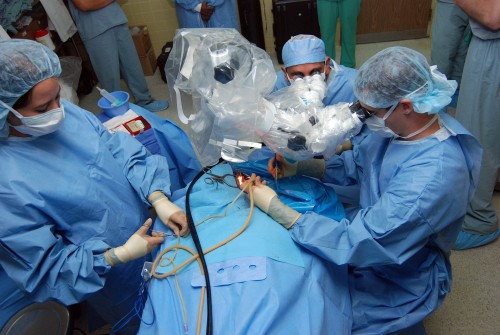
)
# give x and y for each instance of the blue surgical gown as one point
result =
(339, 86)
(413, 199)
(224, 15)
(65, 198)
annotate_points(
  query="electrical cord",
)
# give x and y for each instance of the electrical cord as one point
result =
(199, 249)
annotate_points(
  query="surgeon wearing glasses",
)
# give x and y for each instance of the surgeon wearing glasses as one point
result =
(417, 169)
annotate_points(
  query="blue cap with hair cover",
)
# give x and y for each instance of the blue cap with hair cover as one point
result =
(24, 64)
(401, 73)
(303, 49)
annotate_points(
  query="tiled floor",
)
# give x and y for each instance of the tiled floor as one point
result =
(472, 308)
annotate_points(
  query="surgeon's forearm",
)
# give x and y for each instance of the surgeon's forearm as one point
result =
(486, 12)
(88, 5)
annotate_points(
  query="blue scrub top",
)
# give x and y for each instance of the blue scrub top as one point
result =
(224, 15)
(413, 199)
(95, 22)
(65, 198)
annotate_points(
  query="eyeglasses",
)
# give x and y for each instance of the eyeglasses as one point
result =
(361, 111)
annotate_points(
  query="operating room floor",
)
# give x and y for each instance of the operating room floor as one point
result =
(472, 307)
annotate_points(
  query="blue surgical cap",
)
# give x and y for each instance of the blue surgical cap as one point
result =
(303, 49)
(401, 73)
(23, 63)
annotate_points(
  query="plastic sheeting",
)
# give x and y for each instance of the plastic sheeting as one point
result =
(224, 76)
(227, 82)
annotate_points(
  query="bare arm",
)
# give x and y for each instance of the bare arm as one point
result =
(486, 12)
(87, 5)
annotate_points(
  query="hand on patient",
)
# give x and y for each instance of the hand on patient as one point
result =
(267, 200)
(170, 214)
(138, 245)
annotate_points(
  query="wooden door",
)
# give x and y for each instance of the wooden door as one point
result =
(390, 20)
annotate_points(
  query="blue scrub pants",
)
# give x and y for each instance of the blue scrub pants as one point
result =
(113, 52)
(478, 110)
(449, 46)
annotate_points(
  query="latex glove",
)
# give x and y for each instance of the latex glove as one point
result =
(170, 214)
(138, 245)
(267, 200)
(206, 11)
(284, 167)
(311, 167)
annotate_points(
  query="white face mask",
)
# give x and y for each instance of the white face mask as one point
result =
(377, 124)
(41, 124)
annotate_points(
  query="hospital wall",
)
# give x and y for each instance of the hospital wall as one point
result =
(160, 17)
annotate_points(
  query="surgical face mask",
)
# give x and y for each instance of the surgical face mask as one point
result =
(41, 124)
(377, 124)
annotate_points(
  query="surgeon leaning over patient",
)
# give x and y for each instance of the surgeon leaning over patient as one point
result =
(304, 56)
(417, 170)
(73, 196)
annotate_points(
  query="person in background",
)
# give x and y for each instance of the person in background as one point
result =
(478, 110)
(347, 11)
(304, 56)
(103, 27)
(417, 170)
(73, 197)
(206, 14)
(450, 35)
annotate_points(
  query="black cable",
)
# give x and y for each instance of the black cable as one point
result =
(196, 240)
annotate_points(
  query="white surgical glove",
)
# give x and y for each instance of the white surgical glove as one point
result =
(312, 167)
(138, 245)
(170, 214)
(267, 200)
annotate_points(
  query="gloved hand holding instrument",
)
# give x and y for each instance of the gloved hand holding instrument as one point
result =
(170, 214)
(138, 245)
(266, 199)
(280, 167)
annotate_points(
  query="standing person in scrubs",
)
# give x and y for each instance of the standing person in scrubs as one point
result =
(478, 110)
(417, 170)
(206, 14)
(450, 34)
(103, 27)
(347, 11)
(74, 198)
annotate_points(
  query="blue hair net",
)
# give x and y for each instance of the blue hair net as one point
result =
(303, 49)
(397, 73)
(24, 64)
